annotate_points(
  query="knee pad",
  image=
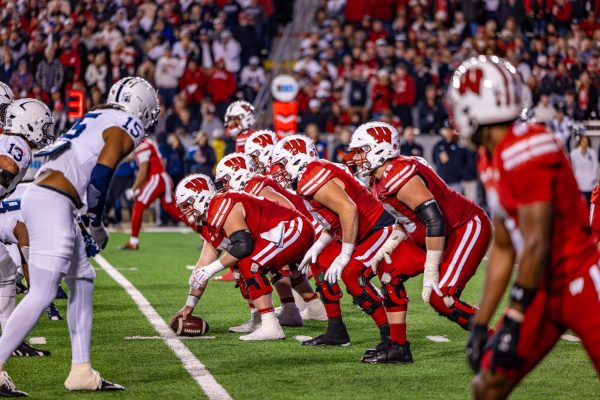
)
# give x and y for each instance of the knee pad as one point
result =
(329, 293)
(394, 294)
(239, 283)
(279, 275)
(368, 300)
(258, 285)
(298, 280)
(458, 311)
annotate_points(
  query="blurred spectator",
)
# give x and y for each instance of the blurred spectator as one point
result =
(357, 94)
(449, 159)
(49, 74)
(252, 78)
(315, 115)
(381, 93)
(210, 122)
(585, 166)
(312, 131)
(229, 50)
(122, 180)
(544, 113)
(201, 158)
(96, 73)
(221, 87)
(409, 147)
(431, 112)
(469, 183)
(341, 154)
(247, 37)
(571, 107)
(166, 76)
(404, 94)
(6, 68)
(21, 80)
(174, 154)
(560, 125)
(193, 83)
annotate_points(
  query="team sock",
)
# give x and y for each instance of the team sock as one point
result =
(398, 333)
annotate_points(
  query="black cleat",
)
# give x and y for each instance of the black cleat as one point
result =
(378, 348)
(8, 388)
(61, 294)
(53, 313)
(106, 385)
(393, 353)
(328, 340)
(21, 287)
(26, 350)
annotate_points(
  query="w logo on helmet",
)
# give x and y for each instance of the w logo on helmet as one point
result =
(295, 146)
(263, 140)
(471, 80)
(197, 185)
(380, 134)
(236, 163)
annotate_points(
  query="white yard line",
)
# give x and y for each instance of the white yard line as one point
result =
(37, 340)
(570, 338)
(207, 382)
(161, 338)
(438, 339)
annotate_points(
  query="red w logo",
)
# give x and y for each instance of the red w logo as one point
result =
(380, 133)
(263, 140)
(236, 163)
(295, 146)
(471, 80)
(197, 185)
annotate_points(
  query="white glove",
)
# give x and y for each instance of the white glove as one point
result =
(201, 275)
(311, 255)
(99, 234)
(387, 249)
(131, 194)
(334, 273)
(431, 275)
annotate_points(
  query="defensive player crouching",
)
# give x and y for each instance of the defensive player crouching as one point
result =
(257, 234)
(454, 232)
(540, 220)
(237, 172)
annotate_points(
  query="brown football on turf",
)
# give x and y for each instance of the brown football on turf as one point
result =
(191, 327)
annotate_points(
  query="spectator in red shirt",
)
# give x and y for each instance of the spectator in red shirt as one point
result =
(404, 94)
(193, 82)
(221, 86)
(381, 94)
(561, 12)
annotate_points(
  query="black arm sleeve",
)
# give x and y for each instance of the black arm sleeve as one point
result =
(241, 244)
(429, 212)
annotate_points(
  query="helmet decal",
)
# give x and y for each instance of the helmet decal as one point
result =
(197, 185)
(295, 146)
(471, 80)
(380, 133)
(236, 163)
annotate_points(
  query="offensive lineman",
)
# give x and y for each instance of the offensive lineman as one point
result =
(540, 220)
(239, 120)
(77, 175)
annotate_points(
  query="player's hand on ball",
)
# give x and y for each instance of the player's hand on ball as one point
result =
(474, 350)
(183, 313)
(99, 234)
(505, 342)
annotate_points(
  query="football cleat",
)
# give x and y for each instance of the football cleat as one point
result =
(26, 350)
(290, 316)
(314, 311)
(249, 326)
(393, 353)
(378, 347)
(21, 287)
(129, 246)
(61, 294)
(8, 388)
(274, 332)
(106, 385)
(328, 340)
(53, 313)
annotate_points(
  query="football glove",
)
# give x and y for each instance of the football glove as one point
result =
(334, 272)
(311, 255)
(131, 194)
(386, 250)
(474, 350)
(91, 247)
(99, 235)
(201, 275)
(431, 274)
(505, 342)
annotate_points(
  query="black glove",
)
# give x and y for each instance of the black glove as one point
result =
(91, 247)
(504, 345)
(475, 345)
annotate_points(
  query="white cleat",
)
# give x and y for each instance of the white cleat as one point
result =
(314, 311)
(247, 327)
(290, 316)
(273, 332)
(300, 303)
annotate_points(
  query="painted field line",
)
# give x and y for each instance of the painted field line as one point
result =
(438, 339)
(161, 338)
(570, 338)
(207, 382)
(37, 340)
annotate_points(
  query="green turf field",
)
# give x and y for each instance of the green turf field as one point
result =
(271, 370)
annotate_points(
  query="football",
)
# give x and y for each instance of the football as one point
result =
(193, 326)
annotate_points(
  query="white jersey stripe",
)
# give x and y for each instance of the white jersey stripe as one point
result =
(402, 179)
(148, 189)
(375, 246)
(457, 254)
(397, 176)
(525, 156)
(310, 182)
(222, 212)
(287, 243)
(467, 253)
(523, 145)
(317, 183)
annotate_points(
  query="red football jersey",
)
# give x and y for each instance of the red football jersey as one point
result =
(147, 151)
(240, 140)
(262, 215)
(595, 212)
(318, 173)
(529, 166)
(456, 208)
(258, 182)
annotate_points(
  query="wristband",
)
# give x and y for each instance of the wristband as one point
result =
(432, 260)
(192, 300)
(521, 295)
(214, 267)
(347, 249)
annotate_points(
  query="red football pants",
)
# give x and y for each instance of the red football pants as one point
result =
(157, 185)
(298, 235)
(550, 314)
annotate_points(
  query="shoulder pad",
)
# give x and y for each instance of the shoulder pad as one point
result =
(218, 209)
(255, 185)
(536, 149)
(397, 173)
(313, 177)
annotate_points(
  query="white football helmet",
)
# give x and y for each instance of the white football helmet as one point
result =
(192, 196)
(291, 155)
(6, 97)
(484, 90)
(239, 117)
(137, 97)
(234, 171)
(373, 143)
(260, 146)
(32, 120)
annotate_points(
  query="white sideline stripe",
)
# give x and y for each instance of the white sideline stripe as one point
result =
(570, 338)
(37, 340)
(438, 339)
(207, 382)
(123, 269)
(162, 338)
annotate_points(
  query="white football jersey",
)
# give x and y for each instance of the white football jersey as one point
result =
(34, 166)
(76, 153)
(10, 214)
(16, 148)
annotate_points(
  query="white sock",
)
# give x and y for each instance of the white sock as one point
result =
(79, 317)
(255, 315)
(269, 319)
(134, 240)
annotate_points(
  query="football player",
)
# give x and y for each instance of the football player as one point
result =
(356, 227)
(77, 174)
(6, 98)
(540, 220)
(239, 120)
(454, 232)
(257, 234)
(237, 171)
(151, 182)
(260, 147)
(595, 213)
